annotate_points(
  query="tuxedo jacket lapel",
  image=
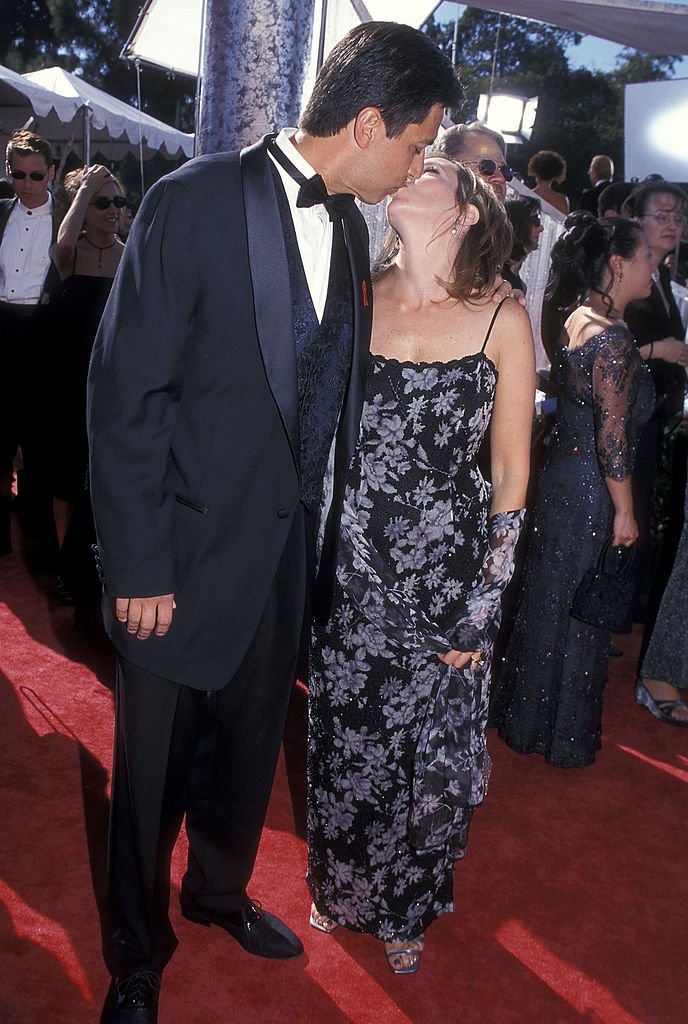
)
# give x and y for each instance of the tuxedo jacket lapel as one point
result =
(271, 289)
(356, 237)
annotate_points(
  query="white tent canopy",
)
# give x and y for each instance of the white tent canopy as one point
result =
(168, 32)
(105, 124)
(21, 99)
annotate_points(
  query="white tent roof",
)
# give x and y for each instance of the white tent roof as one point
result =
(168, 32)
(21, 99)
(114, 126)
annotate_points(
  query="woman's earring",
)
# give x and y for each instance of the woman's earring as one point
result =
(454, 229)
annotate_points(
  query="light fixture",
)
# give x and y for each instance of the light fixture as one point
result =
(512, 116)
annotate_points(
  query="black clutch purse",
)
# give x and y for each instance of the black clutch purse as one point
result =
(604, 597)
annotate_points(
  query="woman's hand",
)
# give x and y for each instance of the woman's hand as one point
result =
(459, 659)
(94, 178)
(625, 530)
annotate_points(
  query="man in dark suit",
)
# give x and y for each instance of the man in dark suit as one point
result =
(227, 375)
(28, 228)
(600, 173)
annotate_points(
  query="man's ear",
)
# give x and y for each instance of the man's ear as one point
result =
(368, 125)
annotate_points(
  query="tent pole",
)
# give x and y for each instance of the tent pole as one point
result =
(137, 65)
(87, 136)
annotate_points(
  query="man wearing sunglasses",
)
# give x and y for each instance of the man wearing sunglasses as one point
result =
(27, 278)
(481, 149)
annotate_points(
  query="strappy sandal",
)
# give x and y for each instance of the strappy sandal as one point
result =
(321, 922)
(404, 955)
(661, 709)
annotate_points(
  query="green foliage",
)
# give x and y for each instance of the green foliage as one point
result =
(580, 112)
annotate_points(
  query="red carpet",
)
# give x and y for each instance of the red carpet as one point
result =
(571, 903)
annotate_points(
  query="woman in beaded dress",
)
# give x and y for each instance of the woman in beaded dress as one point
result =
(400, 671)
(549, 697)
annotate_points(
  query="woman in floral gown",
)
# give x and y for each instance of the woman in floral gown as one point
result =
(400, 671)
(549, 696)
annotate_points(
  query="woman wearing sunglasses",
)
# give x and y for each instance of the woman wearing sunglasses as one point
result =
(524, 215)
(87, 253)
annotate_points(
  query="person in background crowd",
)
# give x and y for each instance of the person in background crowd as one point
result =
(549, 694)
(600, 174)
(28, 226)
(481, 149)
(611, 199)
(661, 210)
(229, 365)
(664, 667)
(546, 167)
(524, 213)
(87, 253)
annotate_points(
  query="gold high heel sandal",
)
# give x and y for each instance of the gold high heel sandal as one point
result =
(321, 922)
(404, 955)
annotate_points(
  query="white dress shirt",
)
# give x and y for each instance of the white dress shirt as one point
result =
(312, 224)
(25, 253)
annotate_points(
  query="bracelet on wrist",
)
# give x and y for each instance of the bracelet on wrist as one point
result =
(652, 346)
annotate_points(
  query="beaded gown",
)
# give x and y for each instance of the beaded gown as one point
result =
(414, 538)
(549, 696)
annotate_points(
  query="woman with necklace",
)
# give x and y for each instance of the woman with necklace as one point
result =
(87, 253)
(549, 698)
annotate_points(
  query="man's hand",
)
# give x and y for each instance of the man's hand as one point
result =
(145, 615)
(505, 291)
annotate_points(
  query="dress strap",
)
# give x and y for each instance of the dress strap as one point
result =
(494, 317)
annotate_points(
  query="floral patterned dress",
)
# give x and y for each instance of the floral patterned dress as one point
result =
(414, 540)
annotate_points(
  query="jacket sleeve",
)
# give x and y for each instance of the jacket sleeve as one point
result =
(135, 382)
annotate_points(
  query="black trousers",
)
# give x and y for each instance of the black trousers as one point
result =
(24, 420)
(209, 755)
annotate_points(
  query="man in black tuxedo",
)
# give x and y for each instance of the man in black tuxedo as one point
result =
(600, 173)
(28, 227)
(228, 374)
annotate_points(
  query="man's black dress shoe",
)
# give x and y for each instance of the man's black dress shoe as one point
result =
(132, 1000)
(255, 929)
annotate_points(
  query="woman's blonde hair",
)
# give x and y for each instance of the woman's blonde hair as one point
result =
(484, 247)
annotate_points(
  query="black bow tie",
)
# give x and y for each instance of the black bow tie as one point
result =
(314, 193)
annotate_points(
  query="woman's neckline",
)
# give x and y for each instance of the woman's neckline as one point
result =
(433, 362)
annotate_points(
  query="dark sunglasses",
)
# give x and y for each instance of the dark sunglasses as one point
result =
(489, 167)
(103, 203)
(34, 175)
(536, 219)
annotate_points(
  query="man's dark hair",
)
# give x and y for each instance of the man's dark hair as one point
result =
(381, 64)
(25, 143)
(613, 197)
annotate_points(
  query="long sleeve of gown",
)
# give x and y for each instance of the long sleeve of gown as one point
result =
(614, 384)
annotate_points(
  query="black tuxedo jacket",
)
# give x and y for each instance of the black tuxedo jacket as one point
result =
(590, 196)
(52, 279)
(650, 320)
(193, 411)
